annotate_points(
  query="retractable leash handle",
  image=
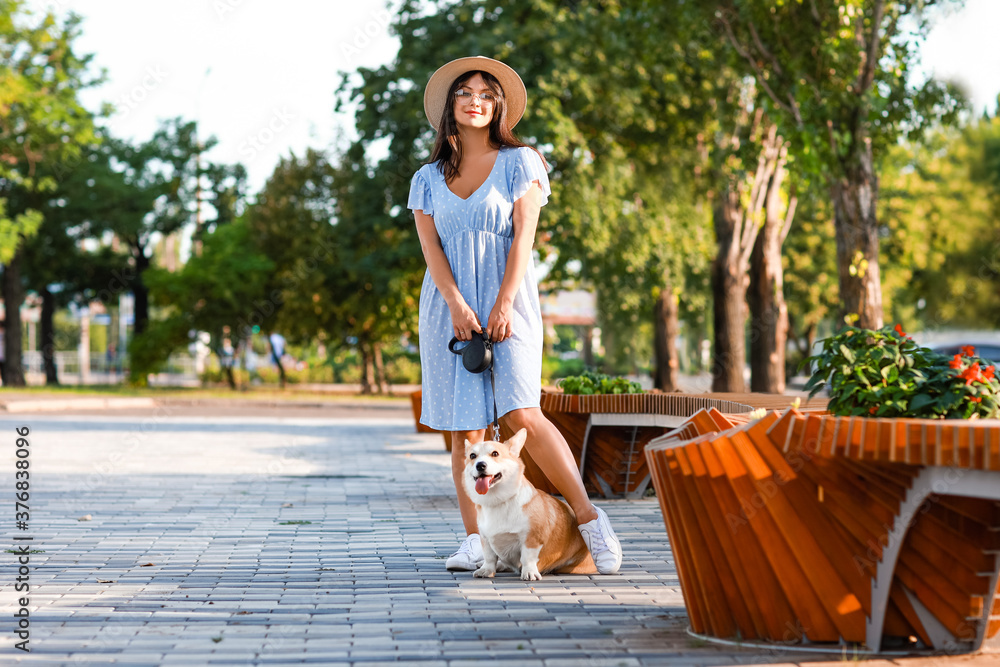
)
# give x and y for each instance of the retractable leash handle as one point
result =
(477, 356)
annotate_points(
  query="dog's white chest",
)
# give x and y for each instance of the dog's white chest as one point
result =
(508, 518)
(505, 527)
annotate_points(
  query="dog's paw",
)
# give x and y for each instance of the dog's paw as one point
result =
(531, 574)
(485, 573)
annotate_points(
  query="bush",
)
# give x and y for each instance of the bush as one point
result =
(598, 383)
(885, 374)
(402, 367)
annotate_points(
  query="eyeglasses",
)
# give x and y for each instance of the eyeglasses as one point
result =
(465, 97)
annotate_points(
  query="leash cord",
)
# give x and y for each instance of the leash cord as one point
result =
(496, 420)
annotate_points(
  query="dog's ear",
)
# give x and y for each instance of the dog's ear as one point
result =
(516, 442)
(468, 446)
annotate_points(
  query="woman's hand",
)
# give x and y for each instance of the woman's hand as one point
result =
(499, 327)
(464, 321)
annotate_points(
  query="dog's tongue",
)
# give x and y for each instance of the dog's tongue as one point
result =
(483, 484)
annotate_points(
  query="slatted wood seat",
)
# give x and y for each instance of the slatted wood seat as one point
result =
(609, 433)
(794, 527)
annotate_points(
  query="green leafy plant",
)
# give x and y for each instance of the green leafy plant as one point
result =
(589, 382)
(885, 374)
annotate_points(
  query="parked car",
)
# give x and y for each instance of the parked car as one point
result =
(986, 351)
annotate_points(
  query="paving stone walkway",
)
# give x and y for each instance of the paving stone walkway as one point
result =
(267, 540)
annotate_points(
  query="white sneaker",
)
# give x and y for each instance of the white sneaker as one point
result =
(602, 542)
(468, 557)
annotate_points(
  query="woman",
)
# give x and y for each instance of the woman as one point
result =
(476, 206)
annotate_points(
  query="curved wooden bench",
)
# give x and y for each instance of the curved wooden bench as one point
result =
(882, 532)
(608, 433)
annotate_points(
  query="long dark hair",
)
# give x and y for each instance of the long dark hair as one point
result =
(448, 145)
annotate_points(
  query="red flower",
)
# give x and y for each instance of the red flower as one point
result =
(956, 362)
(976, 399)
(988, 373)
(969, 350)
(899, 330)
(873, 409)
(971, 374)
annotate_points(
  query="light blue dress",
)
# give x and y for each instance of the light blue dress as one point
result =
(476, 234)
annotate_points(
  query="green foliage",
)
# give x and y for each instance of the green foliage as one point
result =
(87, 195)
(590, 382)
(808, 258)
(222, 291)
(42, 119)
(148, 352)
(936, 219)
(615, 94)
(346, 265)
(292, 223)
(824, 89)
(885, 374)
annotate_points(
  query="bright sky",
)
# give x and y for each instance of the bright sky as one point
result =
(261, 76)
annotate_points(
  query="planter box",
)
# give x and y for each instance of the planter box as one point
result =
(608, 433)
(417, 407)
(823, 529)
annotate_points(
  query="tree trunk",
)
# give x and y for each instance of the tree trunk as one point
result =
(666, 328)
(588, 345)
(380, 382)
(141, 294)
(736, 229)
(768, 312)
(367, 369)
(13, 296)
(729, 288)
(854, 213)
(48, 331)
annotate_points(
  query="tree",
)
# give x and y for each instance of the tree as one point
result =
(941, 241)
(766, 295)
(810, 269)
(216, 292)
(743, 192)
(381, 268)
(837, 78)
(291, 223)
(159, 195)
(57, 266)
(41, 122)
(615, 90)
(347, 266)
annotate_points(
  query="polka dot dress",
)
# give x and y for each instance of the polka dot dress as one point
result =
(477, 234)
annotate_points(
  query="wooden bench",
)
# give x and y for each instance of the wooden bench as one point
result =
(809, 527)
(609, 433)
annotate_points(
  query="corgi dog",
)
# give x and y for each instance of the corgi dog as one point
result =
(519, 526)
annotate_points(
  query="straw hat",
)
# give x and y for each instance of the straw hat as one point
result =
(436, 92)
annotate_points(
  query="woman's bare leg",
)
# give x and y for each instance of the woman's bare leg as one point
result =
(549, 449)
(465, 504)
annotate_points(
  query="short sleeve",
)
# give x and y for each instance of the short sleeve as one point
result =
(420, 194)
(528, 167)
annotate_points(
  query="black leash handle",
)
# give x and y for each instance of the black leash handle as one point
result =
(477, 356)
